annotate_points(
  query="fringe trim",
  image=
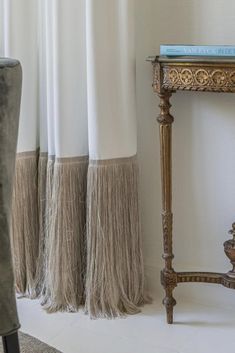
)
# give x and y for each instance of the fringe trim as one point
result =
(52, 246)
(24, 229)
(65, 244)
(115, 274)
(46, 236)
(42, 202)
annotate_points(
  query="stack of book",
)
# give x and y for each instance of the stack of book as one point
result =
(171, 50)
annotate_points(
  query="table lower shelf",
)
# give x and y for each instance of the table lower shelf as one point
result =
(171, 279)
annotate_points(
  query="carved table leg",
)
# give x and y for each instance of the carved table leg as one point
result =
(169, 278)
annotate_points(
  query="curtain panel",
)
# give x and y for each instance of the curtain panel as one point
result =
(75, 227)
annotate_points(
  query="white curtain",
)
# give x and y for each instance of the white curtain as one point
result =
(75, 233)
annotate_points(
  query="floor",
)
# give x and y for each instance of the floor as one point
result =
(197, 329)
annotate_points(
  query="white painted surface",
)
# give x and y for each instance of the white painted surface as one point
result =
(197, 329)
(204, 148)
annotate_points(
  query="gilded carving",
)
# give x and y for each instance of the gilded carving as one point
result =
(198, 78)
(186, 76)
(165, 117)
(167, 220)
(201, 77)
(206, 277)
(229, 248)
(169, 279)
(228, 282)
(219, 77)
(173, 75)
(232, 77)
(157, 77)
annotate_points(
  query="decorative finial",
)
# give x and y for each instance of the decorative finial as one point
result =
(232, 231)
(229, 248)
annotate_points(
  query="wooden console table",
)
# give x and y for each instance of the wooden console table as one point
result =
(189, 74)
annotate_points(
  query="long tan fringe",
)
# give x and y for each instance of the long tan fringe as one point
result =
(42, 202)
(49, 234)
(47, 213)
(115, 275)
(66, 236)
(25, 223)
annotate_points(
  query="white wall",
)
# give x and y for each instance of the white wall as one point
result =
(203, 145)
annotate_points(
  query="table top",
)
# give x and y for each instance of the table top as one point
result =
(192, 59)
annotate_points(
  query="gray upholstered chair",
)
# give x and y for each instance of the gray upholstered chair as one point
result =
(10, 95)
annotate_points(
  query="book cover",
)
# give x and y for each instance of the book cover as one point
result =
(197, 50)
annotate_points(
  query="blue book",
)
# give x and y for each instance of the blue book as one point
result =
(197, 50)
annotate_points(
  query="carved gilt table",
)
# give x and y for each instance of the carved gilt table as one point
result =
(189, 74)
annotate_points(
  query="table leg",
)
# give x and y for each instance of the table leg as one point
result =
(169, 280)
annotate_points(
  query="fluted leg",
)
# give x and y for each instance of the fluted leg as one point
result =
(165, 120)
